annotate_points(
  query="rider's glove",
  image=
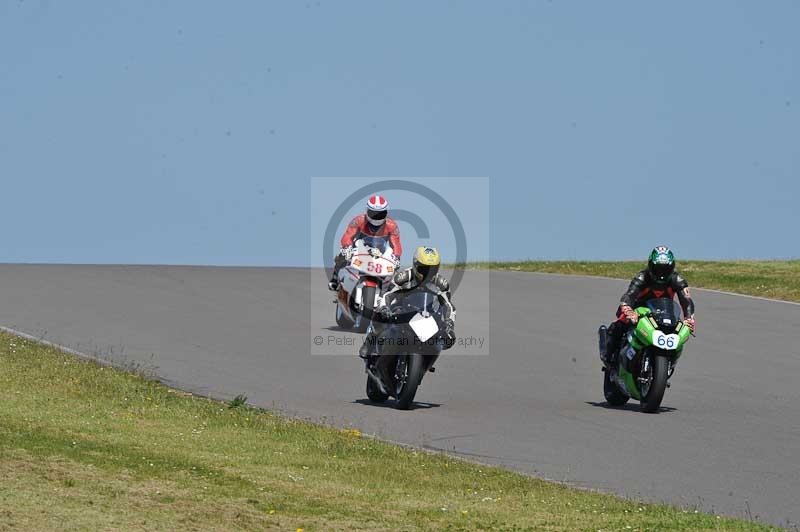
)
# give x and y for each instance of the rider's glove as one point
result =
(346, 252)
(629, 314)
(690, 323)
(375, 252)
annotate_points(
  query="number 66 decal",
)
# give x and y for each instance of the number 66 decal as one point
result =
(665, 341)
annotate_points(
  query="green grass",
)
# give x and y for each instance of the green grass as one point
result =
(86, 447)
(772, 279)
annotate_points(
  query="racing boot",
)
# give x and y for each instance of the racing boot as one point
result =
(338, 262)
(369, 349)
(333, 284)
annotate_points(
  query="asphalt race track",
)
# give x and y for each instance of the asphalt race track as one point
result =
(727, 440)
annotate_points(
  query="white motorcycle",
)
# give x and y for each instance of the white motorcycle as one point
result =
(361, 282)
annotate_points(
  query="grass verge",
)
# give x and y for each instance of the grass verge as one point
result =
(89, 447)
(772, 279)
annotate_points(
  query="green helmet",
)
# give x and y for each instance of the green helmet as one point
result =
(661, 264)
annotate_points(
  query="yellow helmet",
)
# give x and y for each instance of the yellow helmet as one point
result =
(426, 263)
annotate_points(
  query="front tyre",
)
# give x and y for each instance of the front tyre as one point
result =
(367, 307)
(654, 393)
(611, 391)
(408, 375)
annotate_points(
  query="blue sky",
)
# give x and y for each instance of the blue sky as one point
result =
(188, 132)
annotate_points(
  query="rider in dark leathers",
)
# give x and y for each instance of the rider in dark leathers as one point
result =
(659, 279)
(424, 271)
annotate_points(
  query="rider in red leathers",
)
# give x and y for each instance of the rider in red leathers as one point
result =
(374, 222)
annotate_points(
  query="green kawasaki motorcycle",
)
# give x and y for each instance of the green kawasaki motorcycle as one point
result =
(647, 356)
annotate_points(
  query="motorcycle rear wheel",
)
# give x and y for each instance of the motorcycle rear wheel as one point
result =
(651, 401)
(407, 387)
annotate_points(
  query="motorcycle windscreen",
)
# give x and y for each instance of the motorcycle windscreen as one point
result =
(376, 242)
(424, 327)
(412, 301)
(665, 311)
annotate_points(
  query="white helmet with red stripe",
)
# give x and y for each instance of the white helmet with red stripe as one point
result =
(377, 209)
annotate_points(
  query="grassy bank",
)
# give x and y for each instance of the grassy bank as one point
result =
(772, 279)
(89, 447)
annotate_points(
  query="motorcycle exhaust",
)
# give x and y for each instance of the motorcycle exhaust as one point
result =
(602, 337)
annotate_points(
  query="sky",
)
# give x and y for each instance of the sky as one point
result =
(189, 132)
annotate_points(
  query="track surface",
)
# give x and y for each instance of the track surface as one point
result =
(727, 441)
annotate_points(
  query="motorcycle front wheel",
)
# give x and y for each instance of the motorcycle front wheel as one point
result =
(408, 374)
(368, 298)
(652, 390)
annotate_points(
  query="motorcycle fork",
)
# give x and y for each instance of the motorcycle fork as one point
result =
(643, 370)
(670, 371)
(646, 365)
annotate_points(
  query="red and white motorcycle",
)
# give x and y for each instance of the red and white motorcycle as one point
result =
(361, 282)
